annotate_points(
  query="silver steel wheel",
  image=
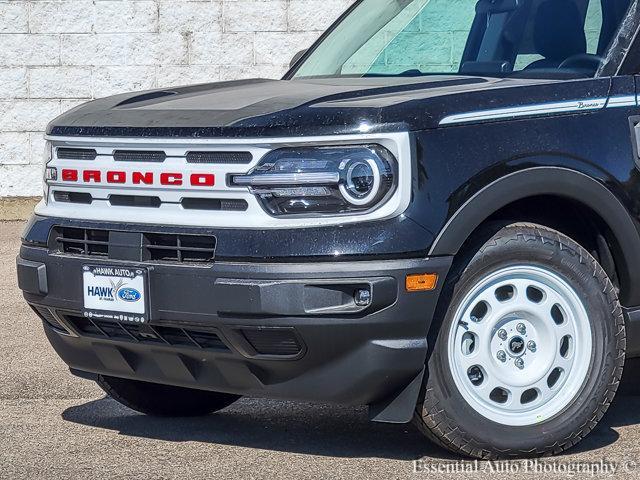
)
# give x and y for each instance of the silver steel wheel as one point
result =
(520, 346)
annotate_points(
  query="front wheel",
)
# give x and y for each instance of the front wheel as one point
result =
(164, 400)
(530, 351)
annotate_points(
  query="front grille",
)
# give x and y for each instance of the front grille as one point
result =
(189, 172)
(76, 153)
(221, 158)
(139, 156)
(161, 182)
(134, 201)
(82, 241)
(214, 204)
(147, 334)
(155, 247)
(273, 341)
(180, 248)
(73, 197)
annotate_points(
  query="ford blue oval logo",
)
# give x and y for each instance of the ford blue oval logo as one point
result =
(129, 294)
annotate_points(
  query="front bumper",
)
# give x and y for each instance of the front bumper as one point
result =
(277, 330)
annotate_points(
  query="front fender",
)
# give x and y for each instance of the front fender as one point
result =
(556, 181)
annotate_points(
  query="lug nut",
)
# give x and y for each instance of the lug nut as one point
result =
(501, 356)
(519, 363)
(521, 328)
(532, 346)
(502, 333)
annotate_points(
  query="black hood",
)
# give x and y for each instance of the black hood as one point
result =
(263, 108)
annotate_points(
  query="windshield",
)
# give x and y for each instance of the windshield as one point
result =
(467, 37)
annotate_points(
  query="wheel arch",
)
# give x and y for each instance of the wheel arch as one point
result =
(529, 185)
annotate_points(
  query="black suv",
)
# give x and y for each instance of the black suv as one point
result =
(435, 213)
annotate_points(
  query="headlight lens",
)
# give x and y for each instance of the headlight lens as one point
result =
(316, 181)
(362, 182)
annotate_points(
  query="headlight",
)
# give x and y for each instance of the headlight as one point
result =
(49, 173)
(315, 181)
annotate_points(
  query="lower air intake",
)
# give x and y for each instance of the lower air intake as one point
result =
(147, 334)
(273, 341)
(179, 248)
(47, 316)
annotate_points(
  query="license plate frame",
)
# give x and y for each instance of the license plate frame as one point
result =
(115, 293)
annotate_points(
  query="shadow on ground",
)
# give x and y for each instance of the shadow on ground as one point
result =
(318, 429)
(269, 425)
(307, 429)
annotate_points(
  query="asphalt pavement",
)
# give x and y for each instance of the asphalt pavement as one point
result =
(53, 425)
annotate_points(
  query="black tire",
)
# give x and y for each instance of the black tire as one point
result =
(164, 400)
(446, 417)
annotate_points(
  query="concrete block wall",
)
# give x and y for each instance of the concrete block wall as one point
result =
(55, 54)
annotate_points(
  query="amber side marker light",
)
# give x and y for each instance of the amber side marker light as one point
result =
(421, 282)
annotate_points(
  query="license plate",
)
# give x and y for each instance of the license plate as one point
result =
(115, 293)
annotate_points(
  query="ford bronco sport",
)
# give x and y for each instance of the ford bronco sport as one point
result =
(435, 213)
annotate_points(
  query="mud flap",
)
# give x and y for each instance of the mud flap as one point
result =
(398, 408)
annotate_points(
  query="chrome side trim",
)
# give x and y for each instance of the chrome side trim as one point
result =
(623, 101)
(291, 179)
(541, 109)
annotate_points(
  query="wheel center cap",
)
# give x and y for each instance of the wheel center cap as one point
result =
(516, 345)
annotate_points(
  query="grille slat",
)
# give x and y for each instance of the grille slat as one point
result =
(214, 204)
(220, 158)
(157, 334)
(76, 153)
(131, 335)
(73, 197)
(158, 156)
(147, 334)
(73, 240)
(135, 201)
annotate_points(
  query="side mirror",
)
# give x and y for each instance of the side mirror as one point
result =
(297, 57)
